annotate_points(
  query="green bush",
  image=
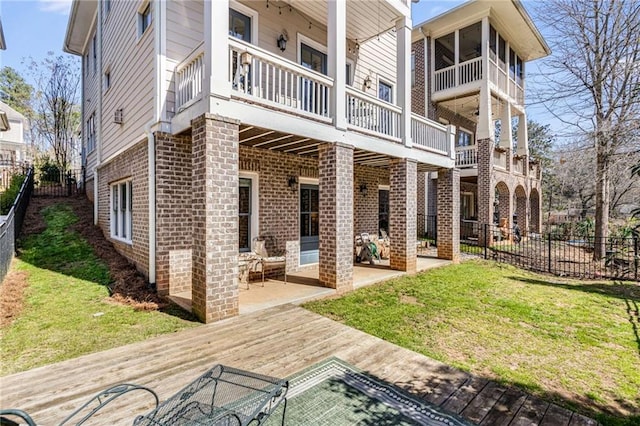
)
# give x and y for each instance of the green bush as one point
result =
(49, 172)
(9, 196)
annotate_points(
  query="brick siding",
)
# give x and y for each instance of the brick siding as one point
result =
(130, 164)
(402, 214)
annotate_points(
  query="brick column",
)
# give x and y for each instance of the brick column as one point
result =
(486, 191)
(449, 214)
(335, 165)
(215, 217)
(402, 214)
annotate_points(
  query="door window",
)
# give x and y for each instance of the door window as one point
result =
(244, 215)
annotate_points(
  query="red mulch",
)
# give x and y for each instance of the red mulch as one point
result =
(129, 287)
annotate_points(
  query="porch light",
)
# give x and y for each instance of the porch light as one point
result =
(282, 41)
(292, 182)
(367, 83)
(363, 189)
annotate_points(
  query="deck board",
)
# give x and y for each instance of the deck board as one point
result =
(279, 341)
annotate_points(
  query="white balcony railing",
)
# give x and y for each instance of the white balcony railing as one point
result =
(499, 76)
(458, 75)
(372, 115)
(429, 135)
(470, 71)
(189, 75)
(271, 80)
(466, 156)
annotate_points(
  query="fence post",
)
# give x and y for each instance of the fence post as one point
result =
(549, 248)
(635, 258)
(486, 242)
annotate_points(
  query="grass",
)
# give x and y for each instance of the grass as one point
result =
(572, 342)
(67, 312)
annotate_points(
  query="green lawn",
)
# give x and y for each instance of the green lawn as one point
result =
(67, 312)
(572, 342)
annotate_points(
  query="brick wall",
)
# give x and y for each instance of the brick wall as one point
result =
(366, 210)
(173, 213)
(215, 217)
(130, 164)
(420, 86)
(454, 119)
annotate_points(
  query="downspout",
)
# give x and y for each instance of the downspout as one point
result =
(151, 166)
(98, 137)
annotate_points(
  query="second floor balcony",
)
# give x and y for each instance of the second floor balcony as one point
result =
(503, 160)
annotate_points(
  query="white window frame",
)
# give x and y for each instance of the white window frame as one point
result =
(121, 217)
(140, 18)
(350, 63)
(303, 39)
(251, 13)
(91, 133)
(386, 83)
(255, 203)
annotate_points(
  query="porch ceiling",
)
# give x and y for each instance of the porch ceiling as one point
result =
(467, 106)
(365, 19)
(262, 138)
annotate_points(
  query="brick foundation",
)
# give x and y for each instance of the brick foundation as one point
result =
(130, 164)
(173, 213)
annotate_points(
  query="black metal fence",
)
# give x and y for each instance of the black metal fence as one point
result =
(55, 183)
(12, 224)
(427, 227)
(564, 255)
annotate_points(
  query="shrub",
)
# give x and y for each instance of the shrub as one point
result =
(9, 195)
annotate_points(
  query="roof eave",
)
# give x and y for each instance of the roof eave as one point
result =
(81, 19)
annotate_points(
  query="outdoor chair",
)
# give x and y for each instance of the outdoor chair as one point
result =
(269, 261)
(222, 396)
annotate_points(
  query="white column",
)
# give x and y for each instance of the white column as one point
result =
(484, 48)
(216, 48)
(485, 123)
(506, 130)
(336, 43)
(523, 136)
(403, 34)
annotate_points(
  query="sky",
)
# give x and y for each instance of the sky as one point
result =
(32, 28)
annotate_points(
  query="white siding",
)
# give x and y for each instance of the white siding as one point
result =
(377, 59)
(91, 98)
(130, 60)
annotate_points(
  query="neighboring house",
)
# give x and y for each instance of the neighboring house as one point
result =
(470, 72)
(208, 123)
(14, 151)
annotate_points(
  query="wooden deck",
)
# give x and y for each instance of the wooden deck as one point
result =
(279, 341)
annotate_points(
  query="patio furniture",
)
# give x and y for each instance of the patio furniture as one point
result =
(248, 262)
(269, 261)
(221, 396)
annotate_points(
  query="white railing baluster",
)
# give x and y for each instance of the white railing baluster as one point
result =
(428, 135)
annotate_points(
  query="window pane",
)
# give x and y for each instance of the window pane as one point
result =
(444, 51)
(385, 91)
(383, 210)
(313, 59)
(239, 25)
(470, 42)
(305, 226)
(512, 63)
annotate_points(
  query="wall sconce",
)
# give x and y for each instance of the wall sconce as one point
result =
(245, 61)
(282, 40)
(292, 182)
(363, 189)
(367, 82)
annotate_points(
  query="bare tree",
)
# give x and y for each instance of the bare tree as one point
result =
(593, 79)
(56, 108)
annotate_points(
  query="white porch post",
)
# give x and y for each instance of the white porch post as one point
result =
(403, 34)
(336, 43)
(485, 124)
(216, 48)
(523, 135)
(506, 130)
